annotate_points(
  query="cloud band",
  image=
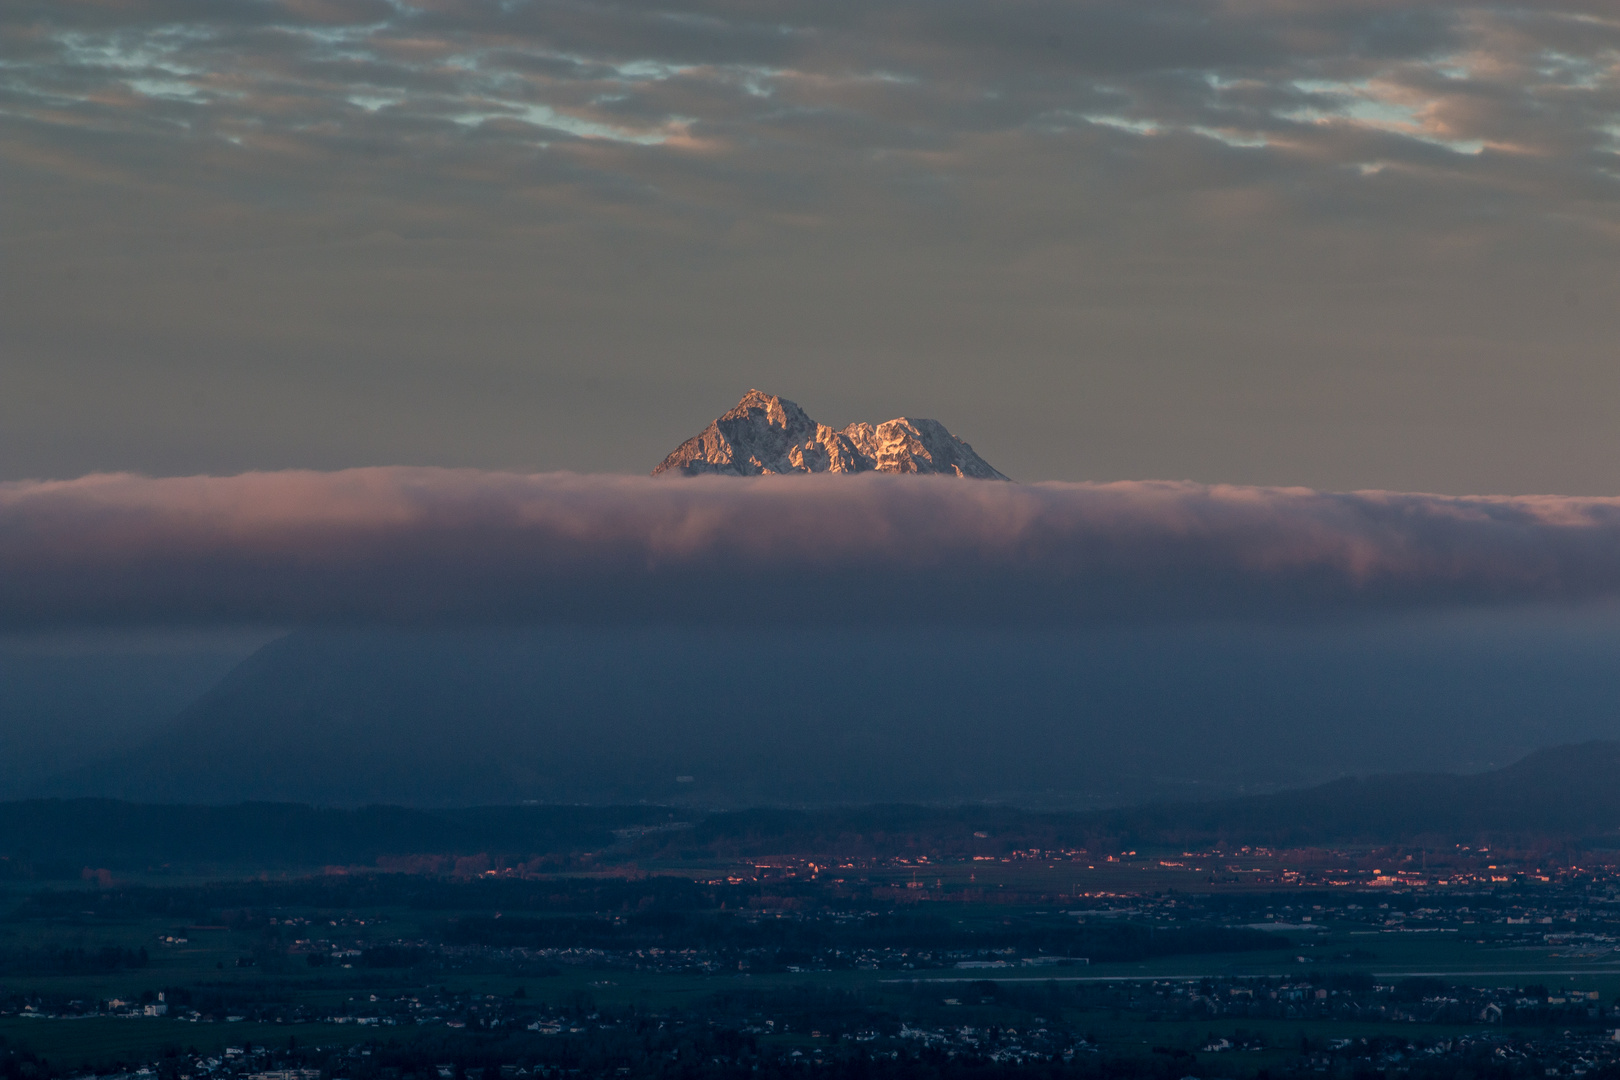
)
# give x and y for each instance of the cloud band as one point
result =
(432, 545)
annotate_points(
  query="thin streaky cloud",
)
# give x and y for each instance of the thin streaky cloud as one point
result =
(1350, 243)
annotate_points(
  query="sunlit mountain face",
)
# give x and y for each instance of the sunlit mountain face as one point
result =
(764, 434)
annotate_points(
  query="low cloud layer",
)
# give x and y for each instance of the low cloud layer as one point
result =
(431, 545)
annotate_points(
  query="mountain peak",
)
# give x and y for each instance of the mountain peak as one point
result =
(776, 411)
(764, 433)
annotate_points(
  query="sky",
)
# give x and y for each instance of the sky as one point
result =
(1339, 244)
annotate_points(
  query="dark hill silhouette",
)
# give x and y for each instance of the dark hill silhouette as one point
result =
(1559, 795)
(61, 837)
(1567, 791)
(1565, 795)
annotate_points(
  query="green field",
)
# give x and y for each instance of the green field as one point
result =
(228, 960)
(101, 1042)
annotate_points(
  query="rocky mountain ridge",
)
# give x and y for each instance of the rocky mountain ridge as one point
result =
(765, 433)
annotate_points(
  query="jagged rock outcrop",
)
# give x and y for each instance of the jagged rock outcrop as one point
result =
(768, 434)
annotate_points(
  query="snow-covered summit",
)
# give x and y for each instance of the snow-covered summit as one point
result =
(768, 434)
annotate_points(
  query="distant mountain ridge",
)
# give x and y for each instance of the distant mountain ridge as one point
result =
(765, 434)
(608, 714)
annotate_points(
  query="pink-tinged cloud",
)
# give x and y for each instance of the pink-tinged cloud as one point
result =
(407, 544)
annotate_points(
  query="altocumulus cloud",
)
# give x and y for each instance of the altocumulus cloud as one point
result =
(1403, 210)
(435, 545)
